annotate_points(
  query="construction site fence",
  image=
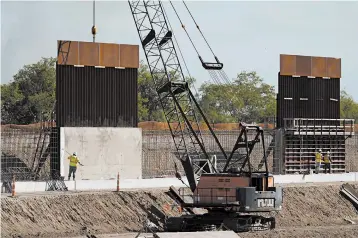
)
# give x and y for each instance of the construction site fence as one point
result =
(32, 153)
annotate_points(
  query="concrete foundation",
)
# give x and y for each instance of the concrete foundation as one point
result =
(103, 151)
(93, 185)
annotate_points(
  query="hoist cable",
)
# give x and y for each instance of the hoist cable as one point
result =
(217, 78)
(94, 12)
(224, 76)
(227, 77)
(221, 72)
(94, 21)
(197, 26)
(176, 42)
(214, 76)
(182, 25)
(211, 76)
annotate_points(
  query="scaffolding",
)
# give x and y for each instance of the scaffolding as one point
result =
(305, 136)
(29, 152)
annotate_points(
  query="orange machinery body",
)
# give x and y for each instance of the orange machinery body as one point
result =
(222, 188)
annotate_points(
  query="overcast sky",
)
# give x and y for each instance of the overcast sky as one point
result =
(244, 35)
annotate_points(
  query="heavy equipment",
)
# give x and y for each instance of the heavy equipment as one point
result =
(231, 190)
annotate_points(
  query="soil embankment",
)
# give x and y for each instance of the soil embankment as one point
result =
(307, 211)
(314, 206)
(77, 214)
(313, 211)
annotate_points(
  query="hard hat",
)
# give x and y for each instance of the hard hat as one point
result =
(74, 153)
(320, 150)
(328, 152)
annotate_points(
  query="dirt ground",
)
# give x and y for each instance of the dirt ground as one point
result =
(77, 214)
(314, 206)
(308, 211)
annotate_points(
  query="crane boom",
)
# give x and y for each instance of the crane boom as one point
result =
(227, 193)
(172, 88)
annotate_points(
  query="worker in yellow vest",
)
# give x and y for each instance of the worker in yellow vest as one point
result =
(318, 160)
(73, 165)
(327, 162)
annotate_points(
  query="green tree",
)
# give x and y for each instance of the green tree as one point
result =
(30, 96)
(349, 108)
(247, 99)
(149, 107)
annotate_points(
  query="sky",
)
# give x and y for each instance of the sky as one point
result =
(244, 35)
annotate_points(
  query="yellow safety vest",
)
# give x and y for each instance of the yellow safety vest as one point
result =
(326, 159)
(318, 157)
(73, 161)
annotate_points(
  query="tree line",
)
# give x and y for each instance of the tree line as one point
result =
(30, 97)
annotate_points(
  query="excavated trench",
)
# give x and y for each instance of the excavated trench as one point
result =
(308, 211)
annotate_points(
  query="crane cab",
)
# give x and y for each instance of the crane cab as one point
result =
(238, 192)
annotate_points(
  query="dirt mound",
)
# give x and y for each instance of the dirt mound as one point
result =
(69, 215)
(314, 206)
(312, 211)
(304, 208)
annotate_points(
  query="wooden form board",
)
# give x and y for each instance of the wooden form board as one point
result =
(98, 54)
(310, 66)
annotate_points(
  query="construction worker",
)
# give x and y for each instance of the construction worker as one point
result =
(318, 160)
(73, 165)
(327, 162)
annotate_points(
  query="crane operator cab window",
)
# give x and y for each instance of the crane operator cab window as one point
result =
(262, 182)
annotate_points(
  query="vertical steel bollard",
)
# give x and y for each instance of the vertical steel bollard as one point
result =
(13, 186)
(118, 182)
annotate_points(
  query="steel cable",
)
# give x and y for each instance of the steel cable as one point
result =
(182, 25)
(197, 26)
(176, 42)
(221, 72)
(216, 79)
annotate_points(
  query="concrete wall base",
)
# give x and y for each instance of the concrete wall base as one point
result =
(92, 185)
(104, 151)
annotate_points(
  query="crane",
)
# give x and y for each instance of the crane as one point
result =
(231, 192)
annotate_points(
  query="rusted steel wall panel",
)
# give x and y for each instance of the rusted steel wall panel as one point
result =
(72, 58)
(99, 54)
(319, 68)
(129, 56)
(287, 64)
(311, 66)
(303, 66)
(96, 97)
(109, 55)
(334, 67)
(88, 54)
